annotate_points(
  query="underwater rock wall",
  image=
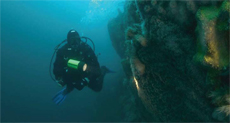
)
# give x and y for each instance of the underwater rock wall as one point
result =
(176, 58)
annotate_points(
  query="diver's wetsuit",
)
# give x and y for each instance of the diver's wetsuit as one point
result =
(72, 77)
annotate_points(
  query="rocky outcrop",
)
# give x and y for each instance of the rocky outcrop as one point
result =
(176, 59)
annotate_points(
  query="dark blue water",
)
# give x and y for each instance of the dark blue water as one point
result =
(29, 33)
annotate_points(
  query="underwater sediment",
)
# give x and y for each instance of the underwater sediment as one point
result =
(175, 55)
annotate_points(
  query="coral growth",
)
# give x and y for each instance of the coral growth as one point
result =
(147, 8)
(175, 53)
(141, 39)
(210, 37)
(213, 52)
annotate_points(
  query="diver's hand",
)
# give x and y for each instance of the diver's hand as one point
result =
(60, 81)
(58, 78)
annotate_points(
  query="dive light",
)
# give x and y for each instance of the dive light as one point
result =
(75, 64)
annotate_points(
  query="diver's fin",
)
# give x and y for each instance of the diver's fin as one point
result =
(110, 71)
(59, 97)
(106, 70)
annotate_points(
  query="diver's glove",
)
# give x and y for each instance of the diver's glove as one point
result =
(60, 96)
(60, 82)
(85, 81)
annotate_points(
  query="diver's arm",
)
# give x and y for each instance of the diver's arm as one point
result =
(58, 68)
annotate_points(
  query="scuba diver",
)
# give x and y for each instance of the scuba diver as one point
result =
(76, 66)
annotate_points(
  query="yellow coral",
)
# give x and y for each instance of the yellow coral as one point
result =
(222, 113)
(225, 109)
(129, 33)
(213, 57)
(221, 98)
(137, 65)
(217, 55)
(141, 39)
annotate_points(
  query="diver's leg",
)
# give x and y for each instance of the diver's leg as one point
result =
(97, 83)
(68, 89)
